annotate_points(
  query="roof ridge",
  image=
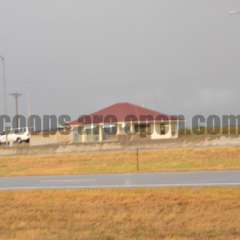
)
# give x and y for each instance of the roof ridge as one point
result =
(122, 109)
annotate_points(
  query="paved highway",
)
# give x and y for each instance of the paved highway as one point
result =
(143, 180)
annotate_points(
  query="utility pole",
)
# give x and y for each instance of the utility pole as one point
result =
(137, 159)
(5, 110)
(29, 120)
(16, 96)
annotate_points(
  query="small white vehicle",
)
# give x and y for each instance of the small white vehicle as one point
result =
(15, 136)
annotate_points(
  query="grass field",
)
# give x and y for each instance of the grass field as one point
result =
(184, 159)
(208, 213)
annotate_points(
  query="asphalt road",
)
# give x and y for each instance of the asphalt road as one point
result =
(145, 180)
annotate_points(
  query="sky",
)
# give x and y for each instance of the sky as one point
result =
(77, 56)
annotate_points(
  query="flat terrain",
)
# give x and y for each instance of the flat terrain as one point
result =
(206, 213)
(172, 159)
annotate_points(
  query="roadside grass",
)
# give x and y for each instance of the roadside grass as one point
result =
(172, 159)
(184, 213)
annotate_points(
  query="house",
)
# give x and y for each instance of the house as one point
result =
(124, 119)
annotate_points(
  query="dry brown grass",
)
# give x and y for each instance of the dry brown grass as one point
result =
(210, 213)
(173, 159)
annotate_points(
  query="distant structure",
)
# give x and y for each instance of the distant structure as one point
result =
(234, 12)
(16, 96)
(124, 120)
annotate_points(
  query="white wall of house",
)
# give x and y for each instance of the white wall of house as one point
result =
(170, 131)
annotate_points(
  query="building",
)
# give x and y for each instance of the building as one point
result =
(124, 119)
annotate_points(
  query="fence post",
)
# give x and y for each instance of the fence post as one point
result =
(137, 153)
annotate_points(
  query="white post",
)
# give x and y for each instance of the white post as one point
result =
(154, 127)
(118, 128)
(83, 138)
(170, 129)
(176, 130)
(131, 127)
(83, 135)
(100, 135)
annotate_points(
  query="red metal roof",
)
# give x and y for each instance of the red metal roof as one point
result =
(122, 112)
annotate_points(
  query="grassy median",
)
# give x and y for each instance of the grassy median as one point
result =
(207, 213)
(184, 159)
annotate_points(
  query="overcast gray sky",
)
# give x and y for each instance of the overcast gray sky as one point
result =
(77, 56)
